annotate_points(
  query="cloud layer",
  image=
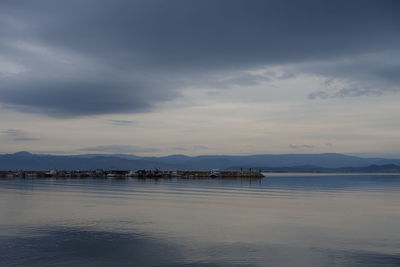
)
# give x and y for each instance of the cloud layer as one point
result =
(74, 58)
(17, 135)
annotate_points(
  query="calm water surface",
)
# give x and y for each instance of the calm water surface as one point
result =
(281, 220)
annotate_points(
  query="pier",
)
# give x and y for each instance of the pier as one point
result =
(222, 174)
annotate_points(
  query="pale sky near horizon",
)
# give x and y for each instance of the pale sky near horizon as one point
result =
(200, 77)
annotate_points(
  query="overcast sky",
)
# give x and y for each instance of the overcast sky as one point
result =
(200, 76)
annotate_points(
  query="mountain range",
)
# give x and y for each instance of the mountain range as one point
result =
(267, 162)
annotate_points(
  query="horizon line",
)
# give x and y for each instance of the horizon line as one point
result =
(391, 155)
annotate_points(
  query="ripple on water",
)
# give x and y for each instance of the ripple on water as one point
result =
(313, 220)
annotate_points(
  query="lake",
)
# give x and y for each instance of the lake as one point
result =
(280, 220)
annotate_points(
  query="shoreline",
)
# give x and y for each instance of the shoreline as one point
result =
(99, 173)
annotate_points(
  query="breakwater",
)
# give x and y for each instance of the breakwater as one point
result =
(222, 174)
(126, 174)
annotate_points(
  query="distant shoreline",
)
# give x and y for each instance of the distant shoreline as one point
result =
(99, 173)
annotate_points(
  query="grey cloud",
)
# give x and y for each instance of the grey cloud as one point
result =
(348, 92)
(72, 98)
(165, 34)
(369, 75)
(139, 149)
(122, 122)
(26, 139)
(355, 91)
(189, 148)
(286, 75)
(18, 135)
(318, 94)
(127, 56)
(301, 146)
(47, 152)
(245, 79)
(11, 132)
(200, 147)
(120, 149)
(229, 79)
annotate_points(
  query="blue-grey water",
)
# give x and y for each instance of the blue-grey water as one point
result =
(281, 220)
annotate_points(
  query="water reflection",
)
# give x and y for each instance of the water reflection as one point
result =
(74, 246)
(65, 246)
(277, 221)
(367, 182)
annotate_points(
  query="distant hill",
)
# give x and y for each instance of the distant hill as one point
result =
(28, 161)
(322, 162)
(385, 168)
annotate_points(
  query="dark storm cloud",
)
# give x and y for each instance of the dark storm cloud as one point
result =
(208, 33)
(62, 98)
(94, 57)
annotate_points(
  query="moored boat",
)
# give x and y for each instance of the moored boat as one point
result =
(214, 173)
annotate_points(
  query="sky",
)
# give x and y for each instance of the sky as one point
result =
(195, 77)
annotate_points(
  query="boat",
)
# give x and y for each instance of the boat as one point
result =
(132, 174)
(214, 173)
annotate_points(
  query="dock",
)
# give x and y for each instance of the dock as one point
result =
(99, 173)
(222, 174)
